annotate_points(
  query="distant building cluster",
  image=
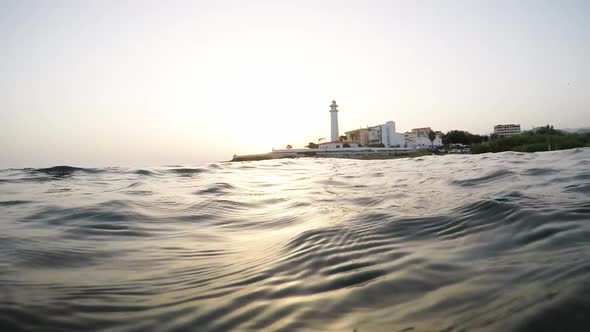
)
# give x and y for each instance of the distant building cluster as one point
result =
(383, 135)
(505, 130)
(383, 141)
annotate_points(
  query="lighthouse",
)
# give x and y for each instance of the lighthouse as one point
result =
(334, 116)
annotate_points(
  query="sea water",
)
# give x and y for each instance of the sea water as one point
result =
(493, 242)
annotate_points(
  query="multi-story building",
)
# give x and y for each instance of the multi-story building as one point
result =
(380, 135)
(507, 129)
(359, 136)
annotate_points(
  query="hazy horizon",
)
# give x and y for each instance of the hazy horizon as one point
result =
(109, 83)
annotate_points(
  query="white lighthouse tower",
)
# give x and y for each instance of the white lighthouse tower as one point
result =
(334, 116)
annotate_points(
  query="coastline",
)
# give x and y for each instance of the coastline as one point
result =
(354, 153)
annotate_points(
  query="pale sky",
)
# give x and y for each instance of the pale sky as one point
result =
(107, 83)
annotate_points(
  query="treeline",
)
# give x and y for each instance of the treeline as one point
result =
(544, 139)
(463, 137)
(540, 139)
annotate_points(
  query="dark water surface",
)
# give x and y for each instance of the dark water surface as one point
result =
(494, 242)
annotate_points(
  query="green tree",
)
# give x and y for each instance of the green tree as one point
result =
(532, 142)
(463, 137)
(342, 138)
(457, 137)
(289, 147)
(312, 145)
(547, 130)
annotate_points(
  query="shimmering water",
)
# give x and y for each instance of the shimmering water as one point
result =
(495, 242)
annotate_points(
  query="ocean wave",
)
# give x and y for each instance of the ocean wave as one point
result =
(187, 171)
(66, 170)
(14, 202)
(143, 172)
(484, 179)
(217, 188)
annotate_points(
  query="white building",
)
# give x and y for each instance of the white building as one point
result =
(507, 129)
(385, 135)
(418, 139)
